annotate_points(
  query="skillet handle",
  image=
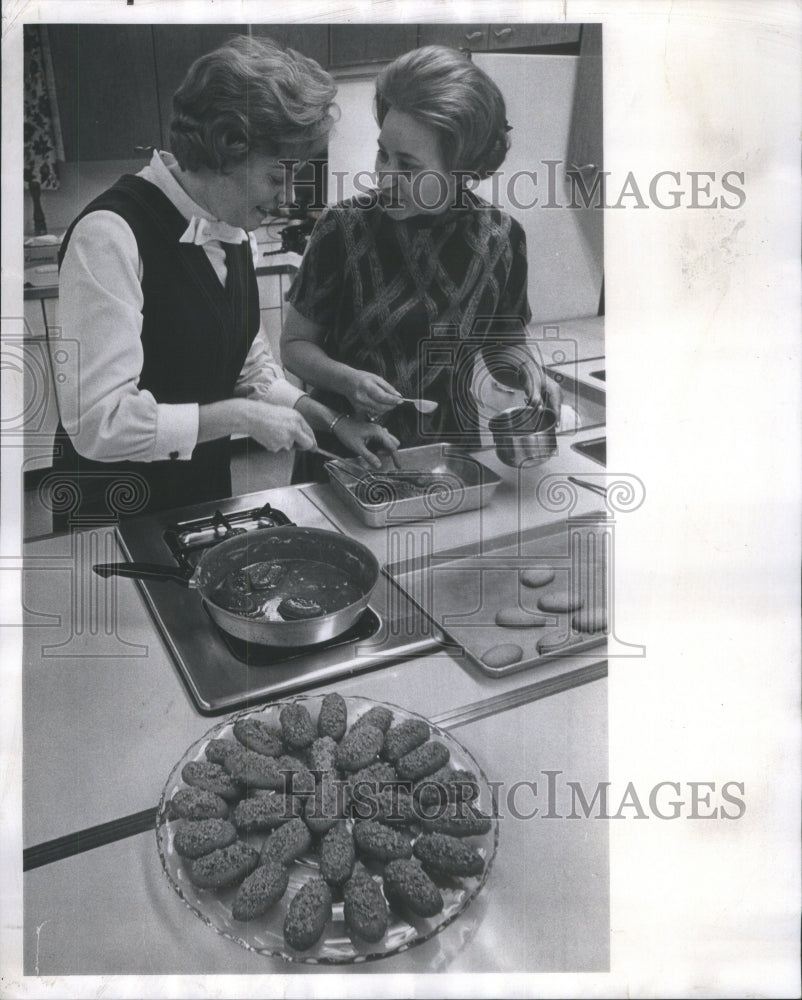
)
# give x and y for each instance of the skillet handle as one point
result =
(142, 571)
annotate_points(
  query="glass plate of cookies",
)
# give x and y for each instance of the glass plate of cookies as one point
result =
(327, 830)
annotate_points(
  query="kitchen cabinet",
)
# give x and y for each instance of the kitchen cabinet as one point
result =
(352, 44)
(39, 417)
(115, 82)
(529, 36)
(175, 48)
(458, 36)
(585, 144)
(106, 89)
(311, 40)
(497, 37)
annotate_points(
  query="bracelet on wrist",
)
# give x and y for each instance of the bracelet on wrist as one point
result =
(337, 419)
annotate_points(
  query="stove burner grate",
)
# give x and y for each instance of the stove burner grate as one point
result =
(188, 538)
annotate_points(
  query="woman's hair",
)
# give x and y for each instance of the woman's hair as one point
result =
(442, 88)
(250, 96)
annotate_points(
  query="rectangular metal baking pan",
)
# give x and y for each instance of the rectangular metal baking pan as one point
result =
(463, 484)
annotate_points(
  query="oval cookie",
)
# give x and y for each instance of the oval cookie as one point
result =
(223, 867)
(446, 855)
(359, 747)
(364, 907)
(555, 640)
(518, 618)
(423, 760)
(503, 655)
(260, 890)
(333, 717)
(286, 843)
(406, 884)
(308, 914)
(197, 803)
(536, 577)
(196, 837)
(560, 600)
(337, 855)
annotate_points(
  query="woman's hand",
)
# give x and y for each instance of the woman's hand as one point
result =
(551, 394)
(537, 385)
(370, 394)
(278, 428)
(357, 435)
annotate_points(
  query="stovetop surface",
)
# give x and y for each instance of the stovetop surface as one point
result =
(222, 673)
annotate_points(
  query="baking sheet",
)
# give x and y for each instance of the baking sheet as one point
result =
(463, 591)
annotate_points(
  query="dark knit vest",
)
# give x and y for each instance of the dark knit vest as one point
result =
(195, 338)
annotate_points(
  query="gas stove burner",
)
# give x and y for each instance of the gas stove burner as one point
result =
(222, 673)
(187, 537)
(367, 625)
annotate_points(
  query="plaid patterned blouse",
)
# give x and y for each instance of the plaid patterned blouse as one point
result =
(413, 300)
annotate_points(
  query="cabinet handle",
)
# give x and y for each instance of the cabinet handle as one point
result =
(502, 33)
(473, 36)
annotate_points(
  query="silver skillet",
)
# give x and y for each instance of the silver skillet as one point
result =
(285, 542)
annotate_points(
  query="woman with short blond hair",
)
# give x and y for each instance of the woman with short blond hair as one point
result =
(157, 286)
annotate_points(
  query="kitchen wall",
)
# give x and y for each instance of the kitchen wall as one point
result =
(79, 184)
(565, 246)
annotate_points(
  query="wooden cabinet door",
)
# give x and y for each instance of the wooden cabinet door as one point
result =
(106, 89)
(457, 36)
(176, 47)
(529, 36)
(309, 39)
(585, 145)
(351, 44)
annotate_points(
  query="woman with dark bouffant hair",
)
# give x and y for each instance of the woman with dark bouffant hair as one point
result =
(157, 286)
(399, 290)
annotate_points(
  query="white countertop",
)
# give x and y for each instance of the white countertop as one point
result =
(545, 907)
(100, 683)
(106, 717)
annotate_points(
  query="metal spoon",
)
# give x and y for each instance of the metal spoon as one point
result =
(326, 454)
(331, 457)
(422, 405)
